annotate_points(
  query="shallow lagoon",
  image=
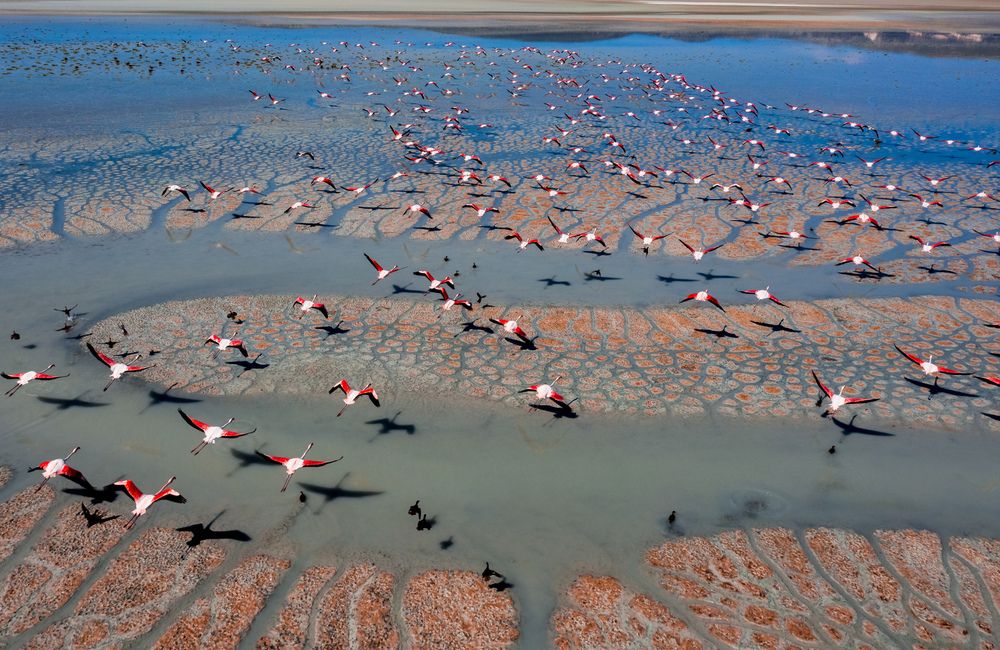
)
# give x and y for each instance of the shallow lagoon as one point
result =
(542, 499)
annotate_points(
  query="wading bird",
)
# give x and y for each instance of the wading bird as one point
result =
(211, 431)
(837, 399)
(351, 395)
(24, 378)
(118, 369)
(292, 465)
(144, 501)
(58, 467)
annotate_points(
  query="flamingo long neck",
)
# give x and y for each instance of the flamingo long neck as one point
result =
(308, 447)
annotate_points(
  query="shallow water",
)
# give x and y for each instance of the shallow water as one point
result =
(543, 500)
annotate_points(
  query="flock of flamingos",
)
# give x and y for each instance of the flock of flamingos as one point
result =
(583, 130)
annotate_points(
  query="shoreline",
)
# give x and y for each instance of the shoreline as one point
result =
(957, 20)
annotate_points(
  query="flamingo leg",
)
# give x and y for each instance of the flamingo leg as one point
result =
(10, 393)
(131, 521)
(287, 480)
(199, 447)
(41, 484)
(108, 385)
(342, 410)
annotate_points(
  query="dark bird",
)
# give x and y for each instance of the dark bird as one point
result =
(414, 509)
(672, 518)
(424, 523)
(14, 336)
(490, 573)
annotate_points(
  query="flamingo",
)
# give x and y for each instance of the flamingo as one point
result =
(647, 240)
(118, 369)
(928, 247)
(995, 236)
(58, 467)
(699, 253)
(306, 305)
(524, 243)
(510, 326)
(924, 203)
(382, 273)
(563, 236)
(591, 236)
(857, 260)
(990, 379)
(703, 296)
(480, 210)
(930, 368)
(212, 193)
(144, 501)
(451, 302)
(212, 432)
(837, 399)
(351, 395)
(222, 344)
(175, 188)
(435, 283)
(323, 179)
(297, 205)
(545, 391)
(24, 378)
(416, 207)
(359, 189)
(292, 465)
(763, 294)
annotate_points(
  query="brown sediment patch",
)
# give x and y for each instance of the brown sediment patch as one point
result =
(136, 590)
(291, 630)
(772, 587)
(222, 620)
(357, 610)
(653, 361)
(20, 513)
(457, 609)
(59, 563)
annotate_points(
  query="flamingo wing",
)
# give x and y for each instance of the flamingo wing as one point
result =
(711, 299)
(713, 248)
(949, 371)
(343, 385)
(776, 301)
(43, 376)
(105, 359)
(860, 400)
(72, 474)
(916, 360)
(132, 489)
(319, 463)
(378, 267)
(685, 244)
(226, 433)
(822, 386)
(281, 460)
(197, 424)
(166, 492)
(11, 376)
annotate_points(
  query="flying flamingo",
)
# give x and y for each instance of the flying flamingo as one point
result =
(175, 188)
(24, 378)
(480, 210)
(591, 235)
(212, 193)
(563, 236)
(524, 243)
(451, 302)
(995, 236)
(930, 368)
(292, 465)
(351, 395)
(306, 305)
(222, 344)
(927, 247)
(382, 273)
(545, 391)
(647, 240)
(857, 260)
(144, 501)
(118, 369)
(703, 296)
(837, 399)
(212, 432)
(58, 466)
(416, 207)
(511, 327)
(699, 253)
(435, 284)
(763, 294)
